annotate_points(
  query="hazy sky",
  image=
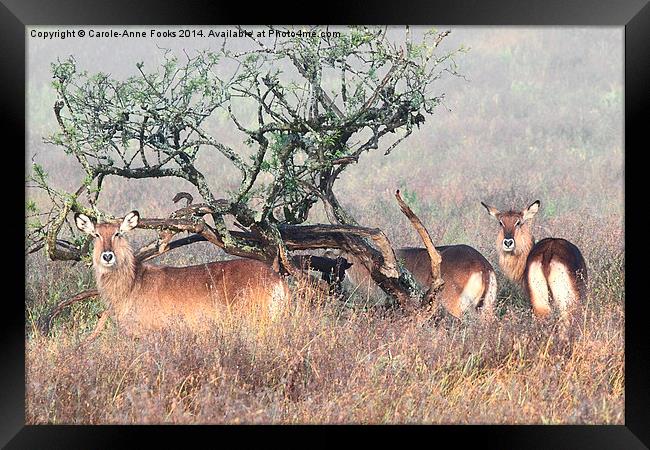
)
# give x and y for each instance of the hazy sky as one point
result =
(539, 109)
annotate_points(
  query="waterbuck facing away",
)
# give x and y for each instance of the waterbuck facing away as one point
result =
(470, 282)
(551, 266)
(151, 296)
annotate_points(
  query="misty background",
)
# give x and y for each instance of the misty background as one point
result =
(537, 114)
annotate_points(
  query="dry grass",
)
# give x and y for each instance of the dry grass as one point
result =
(333, 361)
(325, 363)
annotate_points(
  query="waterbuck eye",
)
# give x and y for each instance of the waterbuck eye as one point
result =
(118, 234)
(517, 223)
(501, 222)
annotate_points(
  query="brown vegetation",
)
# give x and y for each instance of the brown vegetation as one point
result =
(328, 361)
(326, 364)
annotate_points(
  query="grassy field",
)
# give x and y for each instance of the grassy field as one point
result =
(539, 117)
(325, 362)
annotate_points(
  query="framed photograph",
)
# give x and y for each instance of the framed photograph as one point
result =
(408, 218)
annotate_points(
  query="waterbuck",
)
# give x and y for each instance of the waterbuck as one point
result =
(470, 284)
(470, 281)
(551, 266)
(151, 296)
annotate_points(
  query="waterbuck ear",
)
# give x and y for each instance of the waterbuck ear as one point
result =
(130, 221)
(492, 210)
(530, 212)
(84, 223)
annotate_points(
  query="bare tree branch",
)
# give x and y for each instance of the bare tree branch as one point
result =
(434, 256)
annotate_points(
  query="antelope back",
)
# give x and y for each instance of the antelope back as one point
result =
(206, 291)
(468, 276)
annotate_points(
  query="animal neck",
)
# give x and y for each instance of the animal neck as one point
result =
(116, 285)
(513, 264)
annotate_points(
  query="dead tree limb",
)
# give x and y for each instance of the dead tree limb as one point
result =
(154, 250)
(435, 258)
(46, 324)
(183, 195)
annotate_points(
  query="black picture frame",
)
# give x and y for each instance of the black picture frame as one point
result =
(634, 15)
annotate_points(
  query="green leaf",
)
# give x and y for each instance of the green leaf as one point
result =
(39, 172)
(30, 206)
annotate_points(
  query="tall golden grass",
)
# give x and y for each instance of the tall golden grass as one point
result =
(325, 361)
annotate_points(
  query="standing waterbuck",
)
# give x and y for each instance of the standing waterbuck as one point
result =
(470, 284)
(151, 296)
(551, 268)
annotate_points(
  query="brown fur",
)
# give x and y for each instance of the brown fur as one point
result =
(565, 286)
(152, 296)
(513, 263)
(458, 264)
(562, 252)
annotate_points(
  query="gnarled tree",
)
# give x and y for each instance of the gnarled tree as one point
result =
(307, 105)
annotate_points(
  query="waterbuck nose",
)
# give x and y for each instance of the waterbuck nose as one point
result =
(107, 256)
(508, 243)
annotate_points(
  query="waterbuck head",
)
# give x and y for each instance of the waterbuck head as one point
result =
(514, 237)
(111, 249)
